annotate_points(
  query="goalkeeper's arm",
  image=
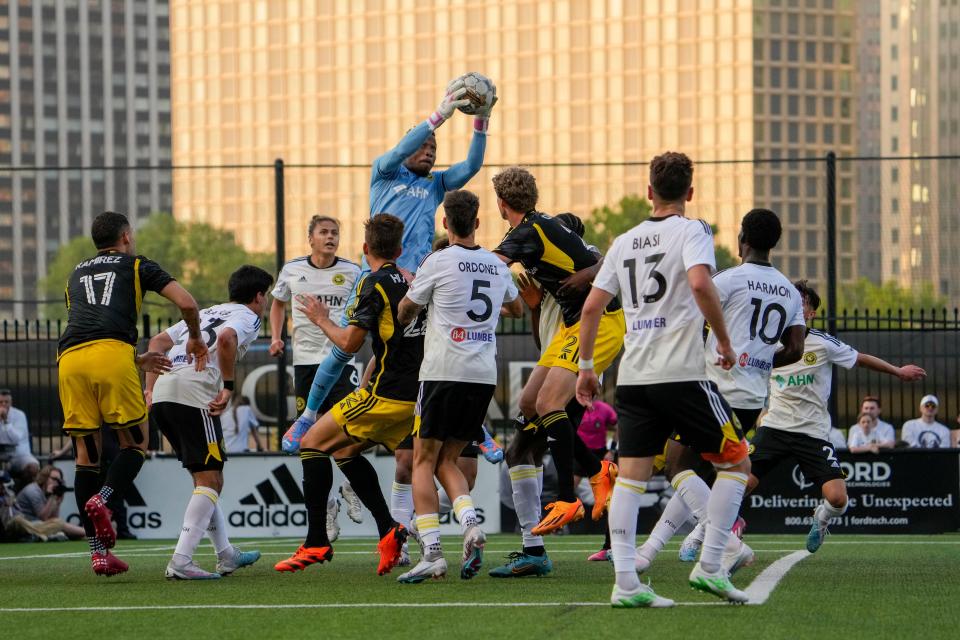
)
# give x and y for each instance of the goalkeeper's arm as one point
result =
(459, 174)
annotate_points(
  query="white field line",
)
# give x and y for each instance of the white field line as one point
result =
(764, 584)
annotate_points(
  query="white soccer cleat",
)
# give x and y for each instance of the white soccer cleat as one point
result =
(233, 559)
(425, 570)
(733, 561)
(354, 506)
(188, 571)
(333, 527)
(642, 597)
(404, 556)
(716, 583)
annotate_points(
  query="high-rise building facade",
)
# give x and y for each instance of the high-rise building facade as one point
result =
(592, 89)
(82, 84)
(910, 65)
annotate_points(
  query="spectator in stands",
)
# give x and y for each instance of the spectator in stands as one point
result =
(885, 430)
(865, 436)
(925, 432)
(837, 439)
(238, 423)
(14, 434)
(40, 501)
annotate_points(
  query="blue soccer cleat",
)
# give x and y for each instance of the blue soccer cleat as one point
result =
(290, 443)
(490, 448)
(521, 565)
(233, 559)
(815, 538)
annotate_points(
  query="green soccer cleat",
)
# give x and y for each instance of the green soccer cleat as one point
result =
(717, 584)
(642, 598)
(520, 565)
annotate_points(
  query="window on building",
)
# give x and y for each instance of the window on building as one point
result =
(894, 112)
(894, 20)
(793, 240)
(894, 52)
(895, 175)
(894, 144)
(893, 83)
(895, 235)
(775, 53)
(775, 104)
(812, 269)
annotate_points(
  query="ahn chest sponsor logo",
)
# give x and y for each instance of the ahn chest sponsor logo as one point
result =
(266, 507)
(800, 380)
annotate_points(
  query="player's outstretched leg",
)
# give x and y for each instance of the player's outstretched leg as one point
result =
(328, 373)
(834, 505)
(674, 515)
(708, 575)
(229, 556)
(432, 564)
(87, 485)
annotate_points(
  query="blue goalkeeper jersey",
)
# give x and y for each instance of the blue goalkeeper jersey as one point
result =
(414, 199)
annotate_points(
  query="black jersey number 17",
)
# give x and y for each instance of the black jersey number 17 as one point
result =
(630, 265)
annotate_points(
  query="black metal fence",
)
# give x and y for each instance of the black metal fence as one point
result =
(928, 338)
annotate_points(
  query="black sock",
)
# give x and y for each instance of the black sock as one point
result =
(317, 482)
(589, 463)
(534, 551)
(86, 484)
(559, 428)
(363, 479)
(123, 470)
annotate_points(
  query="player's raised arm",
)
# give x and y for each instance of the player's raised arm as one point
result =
(907, 373)
(179, 296)
(388, 164)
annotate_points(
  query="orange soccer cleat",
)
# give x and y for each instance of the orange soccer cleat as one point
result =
(389, 548)
(602, 485)
(304, 557)
(560, 514)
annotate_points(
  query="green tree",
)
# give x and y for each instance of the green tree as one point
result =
(198, 255)
(866, 296)
(606, 223)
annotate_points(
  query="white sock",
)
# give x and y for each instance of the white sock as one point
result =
(401, 503)
(526, 501)
(196, 519)
(673, 517)
(465, 512)
(694, 492)
(624, 505)
(429, 527)
(540, 480)
(309, 414)
(722, 510)
(445, 504)
(697, 534)
(217, 531)
(826, 511)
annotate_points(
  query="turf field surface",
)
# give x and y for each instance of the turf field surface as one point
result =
(854, 587)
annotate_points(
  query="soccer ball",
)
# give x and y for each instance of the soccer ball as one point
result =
(480, 91)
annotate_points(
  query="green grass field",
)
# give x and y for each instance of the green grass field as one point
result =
(854, 587)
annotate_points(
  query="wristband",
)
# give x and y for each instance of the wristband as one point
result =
(228, 385)
(435, 120)
(480, 125)
(585, 364)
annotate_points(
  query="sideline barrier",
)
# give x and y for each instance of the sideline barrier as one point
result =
(903, 491)
(263, 497)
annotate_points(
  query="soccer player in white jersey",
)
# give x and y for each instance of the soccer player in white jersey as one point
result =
(763, 312)
(186, 405)
(330, 278)
(797, 425)
(465, 287)
(662, 270)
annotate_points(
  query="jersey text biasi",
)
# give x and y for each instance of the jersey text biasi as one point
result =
(551, 253)
(103, 298)
(647, 267)
(799, 392)
(398, 350)
(464, 287)
(185, 385)
(332, 285)
(759, 303)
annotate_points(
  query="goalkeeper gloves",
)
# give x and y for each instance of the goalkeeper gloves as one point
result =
(454, 99)
(481, 119)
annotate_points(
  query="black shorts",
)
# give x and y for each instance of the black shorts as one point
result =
(452, 410)
(648, 415)
(194, 433)
(472, 450)
(816, 458)
(747, 418)
(303, 379)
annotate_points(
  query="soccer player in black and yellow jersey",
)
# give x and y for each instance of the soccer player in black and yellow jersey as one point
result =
(380, 413)
(551, 253)
(98, 379)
